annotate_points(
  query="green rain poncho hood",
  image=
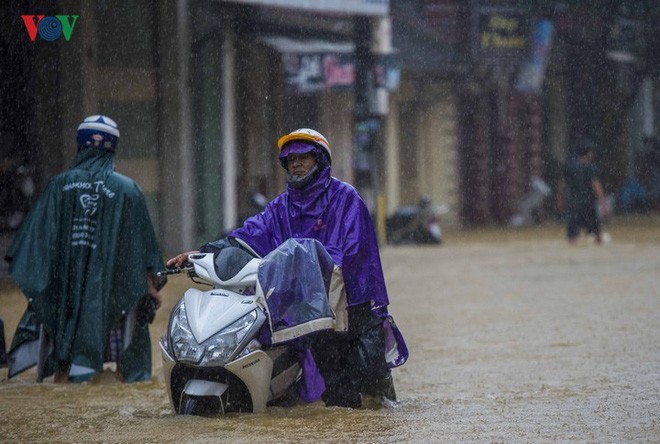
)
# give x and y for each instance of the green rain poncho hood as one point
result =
(81, 258)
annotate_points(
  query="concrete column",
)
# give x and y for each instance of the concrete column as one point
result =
(90, 96)
(229, 164)
(373, 36)
(480, 168)
(392, 162)
(78, 97)
(175, 129)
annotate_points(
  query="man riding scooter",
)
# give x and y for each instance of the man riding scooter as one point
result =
(318, 206)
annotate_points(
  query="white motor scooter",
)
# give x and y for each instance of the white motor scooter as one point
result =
(212, 359)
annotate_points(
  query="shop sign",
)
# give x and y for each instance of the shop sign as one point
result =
(500, 34)
(531, 74)
(358, 7)
(313, 72)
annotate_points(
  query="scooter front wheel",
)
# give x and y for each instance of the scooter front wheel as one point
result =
(200, 405)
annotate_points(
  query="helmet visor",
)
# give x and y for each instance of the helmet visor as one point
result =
(296, 147)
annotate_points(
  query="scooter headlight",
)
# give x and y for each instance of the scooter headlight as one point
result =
(219, 348)
(215, 351)
(184, 345)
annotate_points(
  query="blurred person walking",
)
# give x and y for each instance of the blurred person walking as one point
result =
(581, 195)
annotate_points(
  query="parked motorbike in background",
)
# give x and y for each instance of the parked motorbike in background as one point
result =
(416, 224)
(531, 203)
(258, 201)
(16, 191)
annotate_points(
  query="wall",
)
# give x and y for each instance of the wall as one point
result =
(336, 123)
(422, 151)
(437, 166)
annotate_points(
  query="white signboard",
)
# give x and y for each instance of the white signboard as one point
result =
(358, 7)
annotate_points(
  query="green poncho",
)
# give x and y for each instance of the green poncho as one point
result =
(81, 258)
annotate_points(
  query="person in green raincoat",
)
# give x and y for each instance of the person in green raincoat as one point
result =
(86, 259)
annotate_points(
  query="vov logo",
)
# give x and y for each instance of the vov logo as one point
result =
(49, 28)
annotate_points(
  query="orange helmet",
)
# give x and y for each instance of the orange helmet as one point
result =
(305, 135)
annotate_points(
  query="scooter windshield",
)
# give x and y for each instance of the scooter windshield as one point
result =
(296, 278)
(229, 261)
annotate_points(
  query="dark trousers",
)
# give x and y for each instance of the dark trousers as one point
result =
(583, 217)
(3, 346)
(353, 363)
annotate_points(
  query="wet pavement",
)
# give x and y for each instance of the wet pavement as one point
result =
(514, 336)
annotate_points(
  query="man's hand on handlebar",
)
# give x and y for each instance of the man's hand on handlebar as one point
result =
(178, 260)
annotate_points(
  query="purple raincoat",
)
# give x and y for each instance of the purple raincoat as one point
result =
(332, 212)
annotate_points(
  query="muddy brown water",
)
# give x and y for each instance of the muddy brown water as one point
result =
(514, 337)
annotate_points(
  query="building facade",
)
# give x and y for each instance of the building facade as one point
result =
(464, 102)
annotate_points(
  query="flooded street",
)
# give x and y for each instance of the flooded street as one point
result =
(514, 337)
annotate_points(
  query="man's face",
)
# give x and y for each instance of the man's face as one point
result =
(300, 164)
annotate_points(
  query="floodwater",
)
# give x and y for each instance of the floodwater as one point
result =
(514, 336)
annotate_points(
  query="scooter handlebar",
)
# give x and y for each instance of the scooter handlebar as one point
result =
(186, 268)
